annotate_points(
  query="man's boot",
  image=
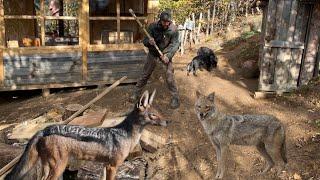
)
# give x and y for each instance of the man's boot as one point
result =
(135, 97)
(175, 102)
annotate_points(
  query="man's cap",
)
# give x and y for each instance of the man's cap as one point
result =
(165, 16)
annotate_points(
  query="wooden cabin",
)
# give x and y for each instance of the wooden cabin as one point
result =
(289, 55)
(63, 43)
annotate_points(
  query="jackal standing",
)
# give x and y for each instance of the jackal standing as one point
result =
(56, 144)
(265, 132)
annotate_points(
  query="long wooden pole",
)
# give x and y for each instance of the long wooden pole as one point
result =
(106, 91)
(144, 30)
(6, 168)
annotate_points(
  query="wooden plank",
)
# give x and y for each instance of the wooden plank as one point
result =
(42, 23)
(286, 15)
(102, 94)
(114, 47)
(312, 47)
(63, 85)
(279, 19)
(91, 119)
(2, 27)
(118, 20)
(271, 20)
(299, 23)
(292, 22)
(2, 72)
(116, 53)
(105, 18)
(2, 42)
(84, 38)
(21, 17)
(285, 44)
(61, 18)
(295, 55)
(40, 50)
(265, 80)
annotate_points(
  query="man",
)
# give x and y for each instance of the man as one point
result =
(165, 35)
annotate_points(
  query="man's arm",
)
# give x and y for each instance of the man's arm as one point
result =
(173, 46)
(145, 41)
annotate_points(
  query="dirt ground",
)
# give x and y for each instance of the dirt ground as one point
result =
(190, 154)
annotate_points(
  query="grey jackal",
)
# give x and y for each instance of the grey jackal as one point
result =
(263, 131)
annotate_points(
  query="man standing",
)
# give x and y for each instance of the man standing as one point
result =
(166, 36)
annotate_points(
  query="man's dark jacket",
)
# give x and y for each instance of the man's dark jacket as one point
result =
(167, 40)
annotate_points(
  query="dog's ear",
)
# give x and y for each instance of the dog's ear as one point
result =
(198, 94)
(211, 96)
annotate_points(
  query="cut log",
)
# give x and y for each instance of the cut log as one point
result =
(91, 119)
(151, 141)
(71, 109)
(264, 95)
(27, 129)
(136, 152)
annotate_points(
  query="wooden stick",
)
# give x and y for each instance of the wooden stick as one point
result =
(115, 84)
(8, 167)
(144, 30)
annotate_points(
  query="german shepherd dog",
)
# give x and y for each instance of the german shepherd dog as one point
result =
(205, 59)
(56, 144)
(265, 132)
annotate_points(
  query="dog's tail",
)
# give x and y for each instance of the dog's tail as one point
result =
(27, 161)
(283, 145)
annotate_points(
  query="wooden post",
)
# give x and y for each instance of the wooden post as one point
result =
(213, 15)
(118, 20)
(268, 53)
(42, 14)
(84, 36)
(2, 42)
(199, 28)
(295, 53)
(192, 32)
(308, 67)
(208, 20)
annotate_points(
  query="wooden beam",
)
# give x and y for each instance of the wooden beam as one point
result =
(118, 20)
(285, 44)
(115, 47)
(84, 40)
(2, 42)
(61, 17)
(42, 22)
(40, 50)
(106, 91)
(62, 85)
(21, 17)
(2, 25)
(1, 68)
(115, 18)
(313, 38)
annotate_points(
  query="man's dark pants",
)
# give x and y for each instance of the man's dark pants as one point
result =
(149, 67)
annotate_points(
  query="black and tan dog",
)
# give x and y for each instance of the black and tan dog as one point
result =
(205, 59)
(56, 144)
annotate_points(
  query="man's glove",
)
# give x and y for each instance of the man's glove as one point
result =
(152, 42)
(165, 59)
